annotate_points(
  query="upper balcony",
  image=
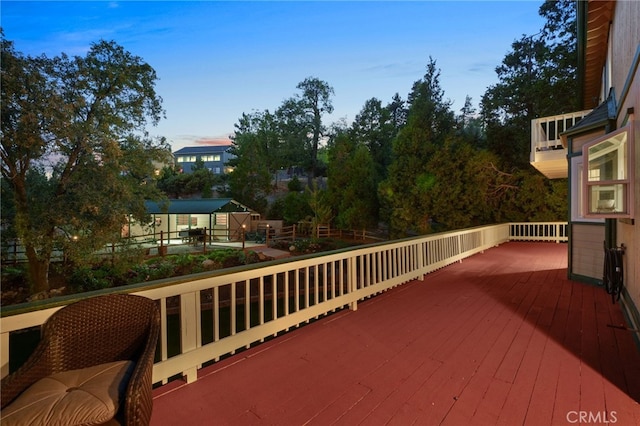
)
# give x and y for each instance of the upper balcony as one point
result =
(548, 154)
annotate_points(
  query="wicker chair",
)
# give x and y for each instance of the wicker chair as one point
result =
(96, 331)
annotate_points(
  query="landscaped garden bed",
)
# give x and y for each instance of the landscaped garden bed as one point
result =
(136, 267)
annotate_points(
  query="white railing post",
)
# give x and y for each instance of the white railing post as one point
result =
(352, 273)
(4, 354)
(163, 332)
(190, 329)
(421, 259)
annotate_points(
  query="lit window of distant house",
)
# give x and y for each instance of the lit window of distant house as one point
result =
(210, 157)
(607, 179)
(186, 158)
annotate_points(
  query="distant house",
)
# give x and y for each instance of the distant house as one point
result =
(223, 218)
(214, 157)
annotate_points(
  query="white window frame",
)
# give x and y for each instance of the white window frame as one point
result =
(617, 189)
(577, 196)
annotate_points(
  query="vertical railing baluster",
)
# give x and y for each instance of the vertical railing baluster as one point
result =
(286, 295)
(247, 307)
(274, 299)
(163, 333)
(216, 315)
(261, 301)
(189, 329)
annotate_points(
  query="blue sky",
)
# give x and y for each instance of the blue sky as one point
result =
(216, 60)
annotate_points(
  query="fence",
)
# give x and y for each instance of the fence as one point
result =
(224, 311)
(157, 243)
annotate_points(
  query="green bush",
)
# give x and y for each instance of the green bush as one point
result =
(13, 275)
(105, 275)
(88, 278)
(152, 271)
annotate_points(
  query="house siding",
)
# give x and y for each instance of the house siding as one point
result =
(587, 251)
(625, 79)
(579, 141)
(625, 35)
(628, 232)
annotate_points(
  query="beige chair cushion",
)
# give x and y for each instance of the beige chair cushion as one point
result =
(79, 397)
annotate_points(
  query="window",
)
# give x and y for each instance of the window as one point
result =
(221, 219)
(186, 220)
(577, 195)
(607, 179)
(210, 157)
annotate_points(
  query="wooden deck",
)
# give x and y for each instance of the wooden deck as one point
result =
(503, 338)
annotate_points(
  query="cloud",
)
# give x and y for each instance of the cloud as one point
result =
(195, 140)
(396, 69)
(213, 141)
(481, 67)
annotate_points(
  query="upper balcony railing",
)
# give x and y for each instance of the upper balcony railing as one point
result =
(206, 316)
(548, 155)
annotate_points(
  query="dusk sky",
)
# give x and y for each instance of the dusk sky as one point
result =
(216, 60)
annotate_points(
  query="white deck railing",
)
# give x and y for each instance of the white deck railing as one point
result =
(545, 131)
(543, 231)
(249, 304)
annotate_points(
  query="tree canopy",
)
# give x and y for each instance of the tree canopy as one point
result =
(301, 119)
(537, 78)
(75, 155)
(428, 167)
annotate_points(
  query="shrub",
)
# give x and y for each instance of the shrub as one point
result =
(13, 274)
(150, 271)
(86, 278)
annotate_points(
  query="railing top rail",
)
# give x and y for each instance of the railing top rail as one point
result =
(563, 116)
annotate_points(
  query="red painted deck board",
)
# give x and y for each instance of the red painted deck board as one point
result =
(501, 338)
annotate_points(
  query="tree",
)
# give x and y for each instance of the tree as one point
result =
(405, 193)
(322, 212)
(536, 199)
(470, 125)
(301, 119)
(536, 79)
(201, 179)
(375, 128)
(173, 182)
(352, 184)
(250, 180)
(398, 110)
(74, 151)
(467, 186)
